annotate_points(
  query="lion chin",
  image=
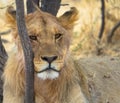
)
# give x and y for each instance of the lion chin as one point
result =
(49, 74)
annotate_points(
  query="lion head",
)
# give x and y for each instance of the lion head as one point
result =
(50, 39)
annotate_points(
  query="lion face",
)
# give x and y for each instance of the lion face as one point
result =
(50, 46)
(50, 40)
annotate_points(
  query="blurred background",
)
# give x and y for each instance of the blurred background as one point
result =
(87, 28)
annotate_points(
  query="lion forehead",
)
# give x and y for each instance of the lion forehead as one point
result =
(39, 25)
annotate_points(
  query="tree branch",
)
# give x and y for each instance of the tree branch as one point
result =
(103, 19)
(28, 54)
(110, 35)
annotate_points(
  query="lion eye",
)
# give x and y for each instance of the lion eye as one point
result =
(32, 37)
(58, 36)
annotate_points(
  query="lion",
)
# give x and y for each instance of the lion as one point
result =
(58, 78)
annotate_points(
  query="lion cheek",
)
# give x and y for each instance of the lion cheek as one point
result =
(57, 66)
(40, 67)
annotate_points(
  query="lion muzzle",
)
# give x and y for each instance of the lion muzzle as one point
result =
(49, 70)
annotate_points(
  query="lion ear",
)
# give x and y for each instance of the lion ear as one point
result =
(68, 18)
(11, 16)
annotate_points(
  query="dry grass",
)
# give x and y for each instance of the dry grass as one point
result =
(87, 27)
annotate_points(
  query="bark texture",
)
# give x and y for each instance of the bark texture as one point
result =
(28, 54)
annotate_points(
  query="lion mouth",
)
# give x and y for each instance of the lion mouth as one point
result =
(47, 69)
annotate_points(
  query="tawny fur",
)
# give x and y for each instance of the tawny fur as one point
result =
(65, 88)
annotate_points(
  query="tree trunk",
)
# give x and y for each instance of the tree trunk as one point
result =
(30, 5)
(28, 54)
(50, 6)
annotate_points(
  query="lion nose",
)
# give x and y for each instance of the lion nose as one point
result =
(49, 59)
